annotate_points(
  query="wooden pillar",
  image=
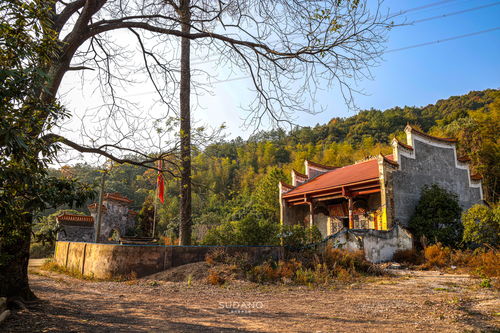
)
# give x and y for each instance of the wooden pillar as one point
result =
(311, 214)
(351, 215)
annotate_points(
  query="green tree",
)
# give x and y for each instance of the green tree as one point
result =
(46, 229)
(482, 225)
(266, 196)
(25, 187)
(247, 231)
(437, 216)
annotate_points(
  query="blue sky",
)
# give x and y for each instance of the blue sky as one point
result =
(415, 77)
(423, 75)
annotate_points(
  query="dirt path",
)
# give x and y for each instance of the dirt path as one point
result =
(419, 301)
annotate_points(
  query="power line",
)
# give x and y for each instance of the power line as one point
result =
(216, 82)
(420, 8)
(455, 13)
(443, 40)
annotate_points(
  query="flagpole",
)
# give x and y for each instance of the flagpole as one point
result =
(155, 207)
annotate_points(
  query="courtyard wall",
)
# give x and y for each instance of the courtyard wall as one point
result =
(106, 261)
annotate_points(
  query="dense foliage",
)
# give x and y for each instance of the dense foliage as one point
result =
(437, 217)
(482, 225)
(25, 187)
(239, 177)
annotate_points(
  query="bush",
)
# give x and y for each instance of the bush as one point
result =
(485, 263)
(248, 231)
(318, 268)
(482, 225)
(437, 217)
(408, 257)
(215, 278)
(437, 255)
(297, 235)
(39, 250)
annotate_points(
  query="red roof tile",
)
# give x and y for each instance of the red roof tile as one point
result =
(321, 166)
(449, 140)
(354, 173)
(75, 218)
(300, 175)
(390, 159)
(476, 177)
(285, 185)
(117, 197)
(95, 205)
(403, 144)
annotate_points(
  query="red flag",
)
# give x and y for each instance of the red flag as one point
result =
(160, 183)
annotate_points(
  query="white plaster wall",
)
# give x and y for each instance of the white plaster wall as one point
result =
(379, 246)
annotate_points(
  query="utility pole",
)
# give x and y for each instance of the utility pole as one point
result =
(99, 208)
(155, 208)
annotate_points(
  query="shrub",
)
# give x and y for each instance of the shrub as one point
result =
(247, 231)
(215, 278)
(482, 225)
(297, 235)
(39, 250)
(343, 262)
(409, 257)
(437, 255)
(480, 262)
(264, 273)
(437, 217)
(485, 263)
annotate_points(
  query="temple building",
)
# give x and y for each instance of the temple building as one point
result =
(381, 192)
(116, 220)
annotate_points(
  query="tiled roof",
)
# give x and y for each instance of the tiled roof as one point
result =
(75, 218)
(117, 197)
(94, 205)
(403, 144)
(301, 175)
(363, 171)
(321, 166)
(286, 186)
(448, 140)
(476, 177)
(390, 159)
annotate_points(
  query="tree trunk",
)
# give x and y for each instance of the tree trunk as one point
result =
(185, 130)
(14, 256)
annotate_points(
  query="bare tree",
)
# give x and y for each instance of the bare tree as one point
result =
(288, 48)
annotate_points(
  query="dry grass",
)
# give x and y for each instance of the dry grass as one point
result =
(436, 256)
(408, 257)
(52, 266)
(332, 265)
(170, 240)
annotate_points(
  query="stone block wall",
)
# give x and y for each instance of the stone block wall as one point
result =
(76, 233)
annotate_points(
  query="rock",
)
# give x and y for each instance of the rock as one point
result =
(3, 304)
(4, 316)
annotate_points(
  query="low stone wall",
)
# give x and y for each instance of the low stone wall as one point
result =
(113, 260)
(378, 245)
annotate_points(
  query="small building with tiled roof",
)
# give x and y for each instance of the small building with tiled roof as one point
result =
(116, 220)
(380, 192)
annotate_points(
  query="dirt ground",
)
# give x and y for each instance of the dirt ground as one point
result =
(412, 301)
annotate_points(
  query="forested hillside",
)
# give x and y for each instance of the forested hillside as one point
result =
(237, 178)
